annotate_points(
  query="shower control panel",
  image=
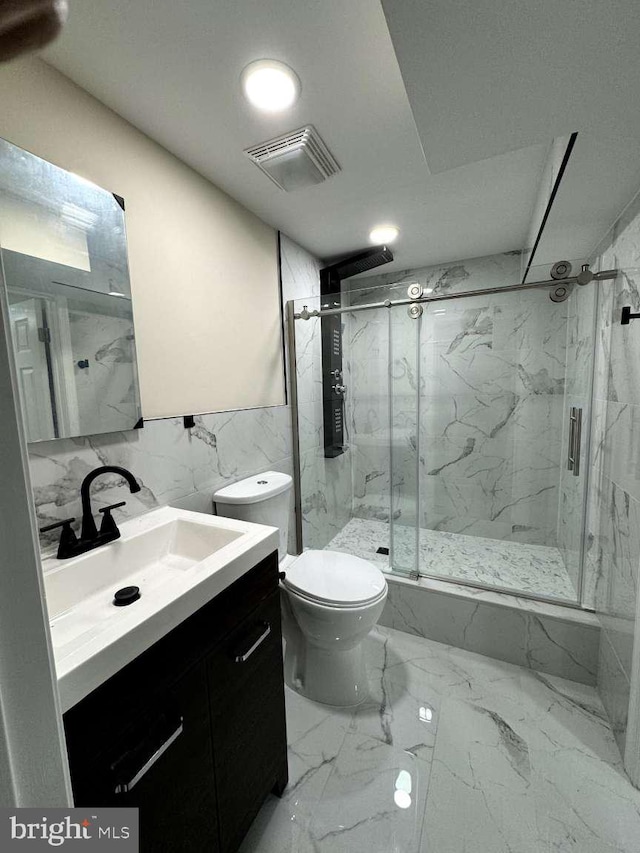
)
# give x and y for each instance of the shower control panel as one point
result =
(332, 388)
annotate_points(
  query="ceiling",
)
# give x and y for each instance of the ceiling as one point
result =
(455, 163)
(511, 75)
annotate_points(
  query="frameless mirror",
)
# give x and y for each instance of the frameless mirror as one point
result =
(64, 259)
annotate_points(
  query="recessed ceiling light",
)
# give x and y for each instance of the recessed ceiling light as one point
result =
(270, 85)
(383, 234)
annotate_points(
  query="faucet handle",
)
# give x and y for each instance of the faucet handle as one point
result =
(108, 525)
(57, 524)
(68, 539)
(107, 509)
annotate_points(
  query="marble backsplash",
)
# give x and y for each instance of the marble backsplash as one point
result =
(178, 466)
(613, 554)
(169, 462)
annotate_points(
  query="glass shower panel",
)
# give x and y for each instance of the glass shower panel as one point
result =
(497, 373)
(345, 498)
(404, 431)
(367, 339)
(325, 482)
(576, 438)
(364, 500)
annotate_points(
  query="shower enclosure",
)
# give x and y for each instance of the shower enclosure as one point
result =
(466, 428)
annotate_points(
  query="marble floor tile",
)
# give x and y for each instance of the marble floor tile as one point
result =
(481, 797)
(373, 801)
(315, 735)
(560, 838)
(487, 757)
(533, 569)
(398, 712)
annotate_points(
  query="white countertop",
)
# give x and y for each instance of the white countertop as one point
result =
(93, 639)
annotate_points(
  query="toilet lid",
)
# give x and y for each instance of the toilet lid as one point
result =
(334, 578)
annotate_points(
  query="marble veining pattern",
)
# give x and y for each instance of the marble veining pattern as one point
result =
(475, 389)
(613, 541)
(534, 569)
(107, 392)
(489, 757)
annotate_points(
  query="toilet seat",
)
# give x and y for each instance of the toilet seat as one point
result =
(335, 580)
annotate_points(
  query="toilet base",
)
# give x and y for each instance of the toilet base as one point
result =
(337, 677)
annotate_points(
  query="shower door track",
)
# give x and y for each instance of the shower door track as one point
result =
(305, 314)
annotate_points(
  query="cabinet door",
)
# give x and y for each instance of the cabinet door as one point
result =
(162, 765)
(248, 720)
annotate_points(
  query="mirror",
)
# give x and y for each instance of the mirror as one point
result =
(64, 259)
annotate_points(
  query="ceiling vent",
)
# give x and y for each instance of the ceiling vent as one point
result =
(296, 160)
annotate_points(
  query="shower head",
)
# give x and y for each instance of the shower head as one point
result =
(361, 262)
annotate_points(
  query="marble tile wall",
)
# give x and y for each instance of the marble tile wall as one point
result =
(613, 553)
(539, 636)
(106, 391)
(490, 446)
(367, 336)
(174, 465)
(490, 378)
(473, 274)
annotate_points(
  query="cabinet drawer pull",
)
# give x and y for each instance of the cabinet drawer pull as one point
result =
(241, 658)
(123, 787)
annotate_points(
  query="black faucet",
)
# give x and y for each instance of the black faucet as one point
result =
(70, 545)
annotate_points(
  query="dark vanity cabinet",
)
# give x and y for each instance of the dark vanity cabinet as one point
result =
(192, 732)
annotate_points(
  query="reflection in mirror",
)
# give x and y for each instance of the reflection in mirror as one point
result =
(64, 260)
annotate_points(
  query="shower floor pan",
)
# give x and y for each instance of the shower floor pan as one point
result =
(513, 566)
(542, 635)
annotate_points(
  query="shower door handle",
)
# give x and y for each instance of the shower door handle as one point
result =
(575, 440)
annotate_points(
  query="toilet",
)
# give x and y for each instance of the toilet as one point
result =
(330, 600)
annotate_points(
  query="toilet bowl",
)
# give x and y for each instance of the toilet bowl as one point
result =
(331, 601)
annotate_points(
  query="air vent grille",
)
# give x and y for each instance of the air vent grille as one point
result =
(296, 159)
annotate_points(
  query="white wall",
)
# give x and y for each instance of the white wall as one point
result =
(204, 272)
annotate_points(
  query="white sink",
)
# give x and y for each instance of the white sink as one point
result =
(178, 559)
(148, 560)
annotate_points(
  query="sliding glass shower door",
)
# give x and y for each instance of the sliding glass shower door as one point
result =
(360, 498)
(465, 437)
(504, 378)
(405, 394)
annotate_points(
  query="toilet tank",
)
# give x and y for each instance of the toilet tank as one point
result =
(263, 499)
